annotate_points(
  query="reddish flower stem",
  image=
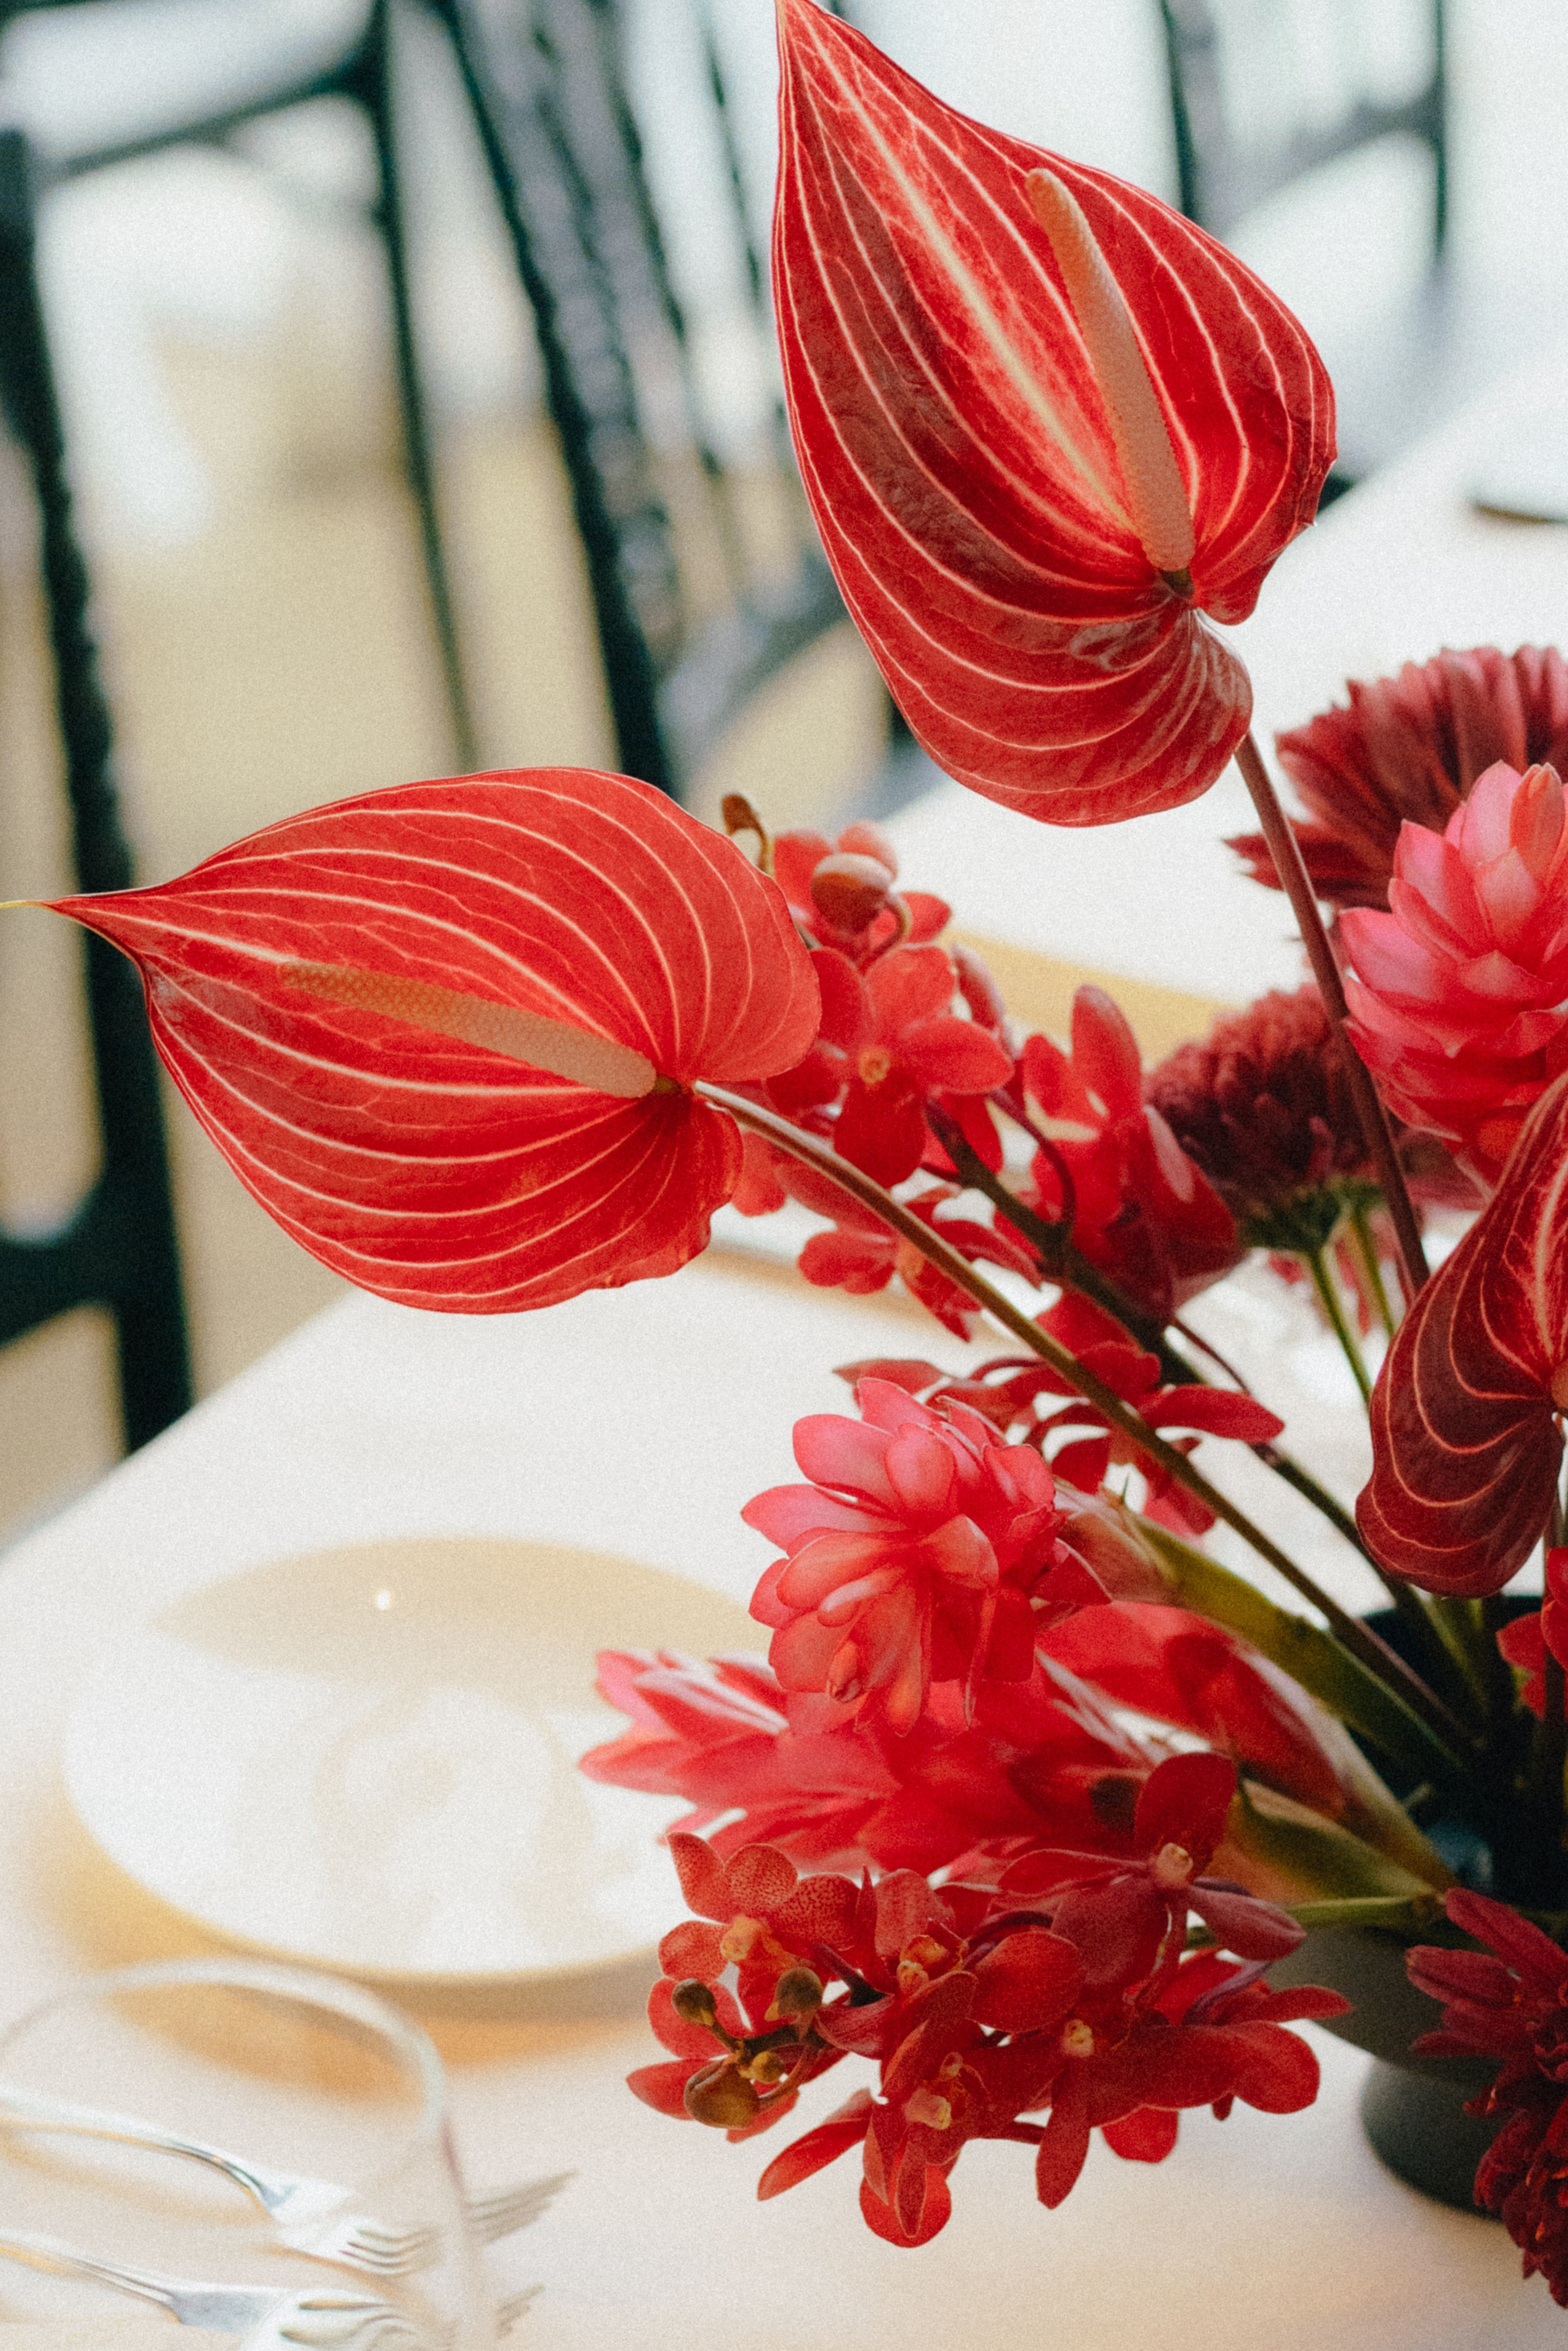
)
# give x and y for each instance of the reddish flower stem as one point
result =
(1054, 1243)
(1291, 867)
(1375, 1654)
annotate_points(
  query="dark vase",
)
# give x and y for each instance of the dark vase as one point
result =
(1412, 2108)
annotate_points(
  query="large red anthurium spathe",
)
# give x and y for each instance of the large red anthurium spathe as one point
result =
(1465, 1440)
(445, 1033)
(1043, 423)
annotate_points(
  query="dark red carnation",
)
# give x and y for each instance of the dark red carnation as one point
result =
(1512, 2008)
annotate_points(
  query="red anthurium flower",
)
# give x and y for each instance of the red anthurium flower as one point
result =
(445, 1033)
(1042, 421)
(1465, 1442)
(923, 1551)
(1528, 1640)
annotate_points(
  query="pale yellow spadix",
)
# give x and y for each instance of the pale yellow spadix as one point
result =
(1157, 498)
(544, 1044)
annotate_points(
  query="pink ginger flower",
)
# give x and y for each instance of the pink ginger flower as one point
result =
(923, 1551)
(1460, 991)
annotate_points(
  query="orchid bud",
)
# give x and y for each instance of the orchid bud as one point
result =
(850, 890)
(797, 1994)
(720, 2095)
(693, 2003)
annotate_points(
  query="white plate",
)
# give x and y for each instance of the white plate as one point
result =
(366, 1758)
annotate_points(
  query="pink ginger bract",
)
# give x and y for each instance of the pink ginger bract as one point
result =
(923, 1551)
(1460, 991)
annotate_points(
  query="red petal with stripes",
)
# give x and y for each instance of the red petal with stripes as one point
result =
(1465, 1447)
(420, 1162)
(958, 454)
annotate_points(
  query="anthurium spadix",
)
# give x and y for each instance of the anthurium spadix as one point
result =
(1465, 1445)
(1044, 424)
(445, 1033)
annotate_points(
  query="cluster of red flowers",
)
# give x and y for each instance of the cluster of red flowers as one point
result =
(1067, 1991)
(483, 1044)
(916, 1052)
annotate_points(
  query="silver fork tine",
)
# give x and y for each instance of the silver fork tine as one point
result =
(318, 2318)
(507, 2209)
(510, 2310)
(314, 2217)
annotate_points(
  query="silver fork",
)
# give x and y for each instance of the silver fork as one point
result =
(317, 2318)
(309, 2214)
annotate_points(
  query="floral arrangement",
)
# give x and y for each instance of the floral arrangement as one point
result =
(1029, 1793)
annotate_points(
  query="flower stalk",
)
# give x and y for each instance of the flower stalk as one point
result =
(1286, 851)
(1317, 1265)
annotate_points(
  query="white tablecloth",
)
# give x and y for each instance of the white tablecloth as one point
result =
(1260, 2235)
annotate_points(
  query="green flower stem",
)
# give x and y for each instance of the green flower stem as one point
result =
(1286, 851)
(1362, 1643)
(1311, 1657)
(1317, 1265)
(1413, 1914)
(1366, 1251)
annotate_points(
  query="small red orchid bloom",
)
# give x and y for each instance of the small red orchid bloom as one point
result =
(862, 1255)
(1466, 1445)
(1141, 1210)
(902, 1042)
(1123, 1914)
(445, 1033)
(754, 1912)
(1086, 1459)
(1042, 421)
(1212, 2033)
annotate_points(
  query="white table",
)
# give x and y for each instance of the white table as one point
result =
(1260, 2234)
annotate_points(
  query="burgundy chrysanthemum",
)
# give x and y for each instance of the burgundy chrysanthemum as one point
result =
(1263, 1105)
(1513, 2009)
(1408, 749)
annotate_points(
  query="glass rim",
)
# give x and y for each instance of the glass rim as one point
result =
(307, 1988)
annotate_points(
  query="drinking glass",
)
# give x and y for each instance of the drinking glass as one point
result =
(297, 2072)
